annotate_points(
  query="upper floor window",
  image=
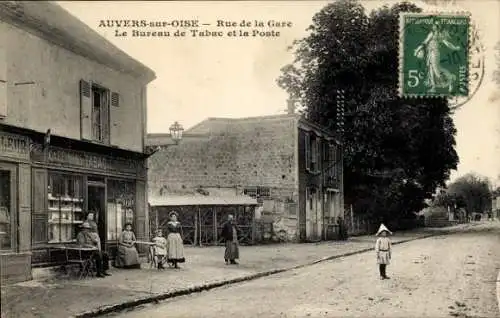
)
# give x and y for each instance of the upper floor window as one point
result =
(96, 101)
(99, 105)
(312, 152)
(333, 160)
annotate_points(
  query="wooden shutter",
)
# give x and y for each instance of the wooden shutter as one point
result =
(24, 198)
(308, 150)
(338, 158)
(140, 212)
(39, 197)
(105, 118)
(315, 154)
(86, 110)
(318, 152)
(114, 120)
(3, 82)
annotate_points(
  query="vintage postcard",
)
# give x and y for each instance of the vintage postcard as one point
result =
(250, 158)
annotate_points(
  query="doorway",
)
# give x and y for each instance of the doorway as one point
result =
(96, 202)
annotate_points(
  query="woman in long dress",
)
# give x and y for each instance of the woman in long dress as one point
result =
(127, 256)
(437, 76)
(230, 235)
(175, 246)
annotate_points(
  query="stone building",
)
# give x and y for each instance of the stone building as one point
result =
(72, 135)
(292, 166)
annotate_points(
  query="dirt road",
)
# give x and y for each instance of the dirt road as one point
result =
(445, 276)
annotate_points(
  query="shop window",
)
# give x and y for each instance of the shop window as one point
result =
(5, 209)
(121, 207)
(65, 207)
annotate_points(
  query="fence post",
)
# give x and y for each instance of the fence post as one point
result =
(352, 217)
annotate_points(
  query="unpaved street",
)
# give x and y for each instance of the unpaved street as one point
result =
(445, 276)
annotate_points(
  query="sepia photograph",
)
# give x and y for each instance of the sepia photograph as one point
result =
(268, 158)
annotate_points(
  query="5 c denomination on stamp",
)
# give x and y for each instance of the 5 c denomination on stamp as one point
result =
(434, 55)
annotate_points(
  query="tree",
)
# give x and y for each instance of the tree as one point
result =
(396, 151)
(496, 192)
(454, 200)
(475, 191)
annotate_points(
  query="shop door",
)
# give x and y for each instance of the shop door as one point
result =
(7, 206)
(97, 204)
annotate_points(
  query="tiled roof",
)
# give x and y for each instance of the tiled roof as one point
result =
(216, 125)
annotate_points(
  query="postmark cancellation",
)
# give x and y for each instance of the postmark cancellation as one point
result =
(434, 54)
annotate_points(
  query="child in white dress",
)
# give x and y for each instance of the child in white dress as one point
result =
(383, 250)
(160, 248)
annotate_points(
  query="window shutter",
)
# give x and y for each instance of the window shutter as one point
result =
(39, 198)
(86, 110)
(142, 232)
(105, 120)
(24, 197)
(114, 120)
(318, 152)
(3, 82)
(338, 157)
(313, 151)
(308, 150)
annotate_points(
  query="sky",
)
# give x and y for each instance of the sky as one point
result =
(200, 77)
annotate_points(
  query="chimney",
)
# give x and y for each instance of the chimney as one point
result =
(290, 109)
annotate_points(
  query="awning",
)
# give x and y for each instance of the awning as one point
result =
(201, 200)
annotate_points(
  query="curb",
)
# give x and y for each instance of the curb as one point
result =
(205, 287)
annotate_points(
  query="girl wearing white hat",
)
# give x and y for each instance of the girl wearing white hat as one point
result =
(383, 250)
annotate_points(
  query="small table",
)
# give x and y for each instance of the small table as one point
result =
(79, 255)
(151, 252)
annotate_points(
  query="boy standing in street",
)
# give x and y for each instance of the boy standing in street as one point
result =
(383, 250)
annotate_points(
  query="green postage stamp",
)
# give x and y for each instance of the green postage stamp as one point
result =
(434, 54)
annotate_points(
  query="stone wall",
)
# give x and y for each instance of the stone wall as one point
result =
(247, 153)
(237, 153)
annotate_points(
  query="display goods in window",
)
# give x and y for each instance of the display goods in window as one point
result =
(65, 208)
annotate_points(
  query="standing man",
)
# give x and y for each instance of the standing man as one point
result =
(230, 236)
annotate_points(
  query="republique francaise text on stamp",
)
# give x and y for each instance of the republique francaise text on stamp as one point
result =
(434, 54)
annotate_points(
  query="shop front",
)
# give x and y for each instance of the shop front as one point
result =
(69, 184)
(15, 202)
(47, 191)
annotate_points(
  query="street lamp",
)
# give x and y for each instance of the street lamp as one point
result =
(176, 132)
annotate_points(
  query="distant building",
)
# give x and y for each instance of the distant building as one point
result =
(495, 207)
(290, 165)
(72, 133)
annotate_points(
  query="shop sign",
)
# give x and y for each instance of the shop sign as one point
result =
(80, 159)
(16, 146)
